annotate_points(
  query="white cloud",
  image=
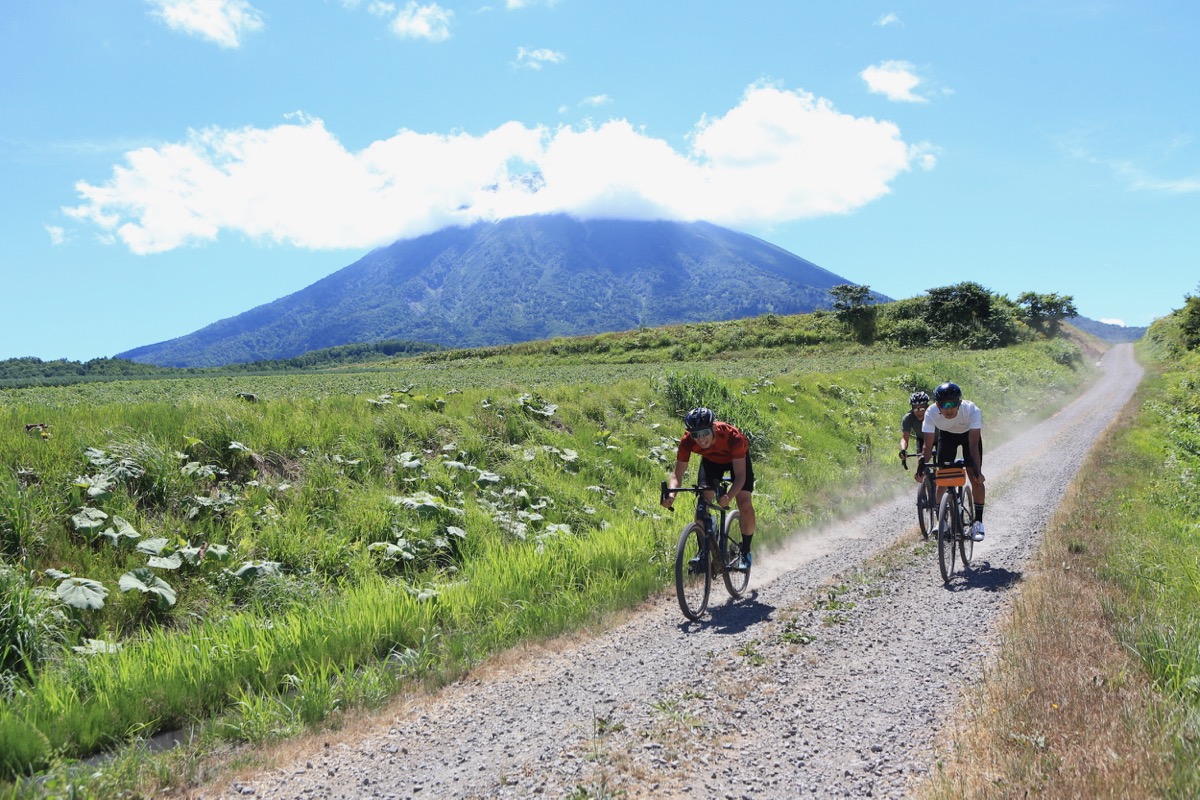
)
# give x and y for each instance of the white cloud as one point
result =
(778, 155)
(1140, 181)
(596, 100)
(895, 79)
(58, 235)
(1120, 322)
(889, 18)
(512, 5)
(220, 21)
(430, 22)
(534, 59)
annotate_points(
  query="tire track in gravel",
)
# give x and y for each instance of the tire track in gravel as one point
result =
(829, 679)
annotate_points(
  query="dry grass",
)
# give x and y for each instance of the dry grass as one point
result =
(1066, 712)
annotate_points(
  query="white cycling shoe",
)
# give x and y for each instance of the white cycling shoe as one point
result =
(977, 531)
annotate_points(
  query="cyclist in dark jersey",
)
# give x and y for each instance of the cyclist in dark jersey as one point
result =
(910, 424)
(723, 449)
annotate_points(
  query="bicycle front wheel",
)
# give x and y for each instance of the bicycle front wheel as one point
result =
(731, 553)
(966, 545)
(927, 508)
(948, 532)
(693, 577)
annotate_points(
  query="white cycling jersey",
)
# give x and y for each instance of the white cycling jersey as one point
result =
(969, 417)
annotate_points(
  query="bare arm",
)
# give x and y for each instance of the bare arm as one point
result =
(674, 481)
(975, 443)
(739, 480)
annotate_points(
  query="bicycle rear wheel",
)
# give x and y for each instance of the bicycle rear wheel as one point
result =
(731, 553)
(927, 508)
(947, 534)
(693, 575)
(966, 545)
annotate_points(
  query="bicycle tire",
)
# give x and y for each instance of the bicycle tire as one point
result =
(736, 579)
(692, 586)
(966, 545)
(927, 508)
(947, 534)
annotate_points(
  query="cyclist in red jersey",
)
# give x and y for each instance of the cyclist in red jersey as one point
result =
(723, 449)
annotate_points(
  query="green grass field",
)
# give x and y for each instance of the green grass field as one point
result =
(176, 556)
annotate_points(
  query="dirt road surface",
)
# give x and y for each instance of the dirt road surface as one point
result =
(827, 680)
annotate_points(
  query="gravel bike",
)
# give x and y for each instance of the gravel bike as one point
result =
(707, 548)
(956, 513)
(927, 506)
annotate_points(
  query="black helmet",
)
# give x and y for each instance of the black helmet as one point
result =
(947, 393)
(918, 399)
(699, 419)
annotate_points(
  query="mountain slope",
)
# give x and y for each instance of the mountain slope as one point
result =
(517, 280)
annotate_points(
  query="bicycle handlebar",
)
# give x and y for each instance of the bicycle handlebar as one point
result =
(697, 490)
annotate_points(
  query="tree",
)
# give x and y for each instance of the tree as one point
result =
(968, 314)
(1190, 322)
(852, 306)
(1045, 312)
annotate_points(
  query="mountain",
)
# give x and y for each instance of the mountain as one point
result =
(517, 280)
(1106, 331)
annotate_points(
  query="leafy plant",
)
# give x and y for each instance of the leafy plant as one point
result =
(143, 580)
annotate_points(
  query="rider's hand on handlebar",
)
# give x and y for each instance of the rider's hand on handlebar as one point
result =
(668, 500)
(903, 455)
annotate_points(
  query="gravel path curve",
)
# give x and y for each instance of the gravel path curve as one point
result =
(829, 679)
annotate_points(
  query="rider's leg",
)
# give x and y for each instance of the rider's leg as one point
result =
(745, 504)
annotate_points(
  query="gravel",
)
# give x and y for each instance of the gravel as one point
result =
(831, 678)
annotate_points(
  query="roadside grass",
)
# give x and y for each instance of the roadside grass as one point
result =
(347, 537)
(1096, 692)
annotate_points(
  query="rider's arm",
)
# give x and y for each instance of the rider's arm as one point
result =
(739, 480)
(975, 444)
(674, 481)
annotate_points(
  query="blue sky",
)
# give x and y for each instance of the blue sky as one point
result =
(168, 163)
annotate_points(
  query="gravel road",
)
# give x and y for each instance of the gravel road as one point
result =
(831, 678)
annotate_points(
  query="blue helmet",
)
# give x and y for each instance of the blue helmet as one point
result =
(699, 419)
(947, 393)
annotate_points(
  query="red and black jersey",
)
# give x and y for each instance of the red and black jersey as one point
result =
(728, 443)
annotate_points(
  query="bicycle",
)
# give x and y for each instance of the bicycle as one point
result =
(956, 513)
(927, 506)
(703, 553)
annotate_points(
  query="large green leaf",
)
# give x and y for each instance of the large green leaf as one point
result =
(82, 593)
(145, 581)
(426, 504)
(254, 569)
(121, 529)
(89, 519)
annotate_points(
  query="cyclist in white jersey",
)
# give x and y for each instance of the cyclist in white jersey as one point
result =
(957, 423)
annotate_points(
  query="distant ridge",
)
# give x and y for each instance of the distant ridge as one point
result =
(1108, 332)
(517, 280)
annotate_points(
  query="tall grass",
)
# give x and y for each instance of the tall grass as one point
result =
(424, 520)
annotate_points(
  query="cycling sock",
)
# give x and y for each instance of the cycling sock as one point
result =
(979, 512)
(746, 543)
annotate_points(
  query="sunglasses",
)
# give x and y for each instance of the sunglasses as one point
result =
(921, 407)
(702, 433)
(949, 404)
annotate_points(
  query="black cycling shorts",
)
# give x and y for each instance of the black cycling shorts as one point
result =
(711, 473)
(948, 444)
